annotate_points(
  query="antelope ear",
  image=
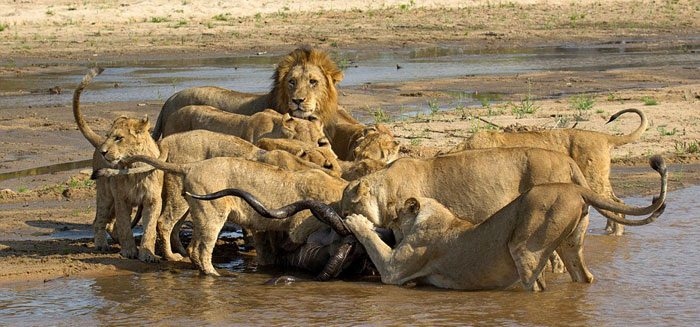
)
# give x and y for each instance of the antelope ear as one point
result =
(412, 205)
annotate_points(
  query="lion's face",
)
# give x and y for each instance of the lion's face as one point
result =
(322, 156)
(127, 137)
(377, 146)
(358, 199)
(308, 131)
(305, 84)
(306, 87)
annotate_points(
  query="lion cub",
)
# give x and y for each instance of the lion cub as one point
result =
(120, 194)
(437, 248)
(199, 145)
(264, 124)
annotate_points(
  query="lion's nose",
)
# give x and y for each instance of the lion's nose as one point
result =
(298, 101)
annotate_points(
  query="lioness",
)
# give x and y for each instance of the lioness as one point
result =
(513, 245)
(474, 184)
(264, 124)
(199, 145)
(357, 142)
(274, 185)
(304, 85)
(121, 194)
(590, 150)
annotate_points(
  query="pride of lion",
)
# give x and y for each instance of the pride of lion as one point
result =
(486, 215)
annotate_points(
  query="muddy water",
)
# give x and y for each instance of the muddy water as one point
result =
(650, 276)
(149, 80)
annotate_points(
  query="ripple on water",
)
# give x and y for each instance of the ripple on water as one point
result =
(648, 277)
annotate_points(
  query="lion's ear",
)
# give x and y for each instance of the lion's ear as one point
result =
(363, 187)
(143, 126)
(286, 119)
(337, 76)
(368, 130)
(412, 205)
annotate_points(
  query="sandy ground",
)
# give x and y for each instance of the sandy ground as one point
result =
(41, 35)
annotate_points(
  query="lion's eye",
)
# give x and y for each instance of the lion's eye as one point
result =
(292, 82)
(118, 138)
(313, 82)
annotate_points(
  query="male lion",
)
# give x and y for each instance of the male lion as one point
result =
(119, 195)
(440, 249)
(199, 145)
(274, 185)
(304, 85)
(264, 124)
(590, 150)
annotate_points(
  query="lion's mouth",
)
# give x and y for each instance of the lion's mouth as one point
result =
(301, 113)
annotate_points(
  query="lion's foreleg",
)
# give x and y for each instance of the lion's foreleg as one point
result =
(151, 212)
(122, 228)
(104, 213)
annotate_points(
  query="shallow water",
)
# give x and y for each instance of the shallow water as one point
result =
(650, 276)
(149, 80)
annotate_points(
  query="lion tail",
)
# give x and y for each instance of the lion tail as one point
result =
(624, 139)
(655, 209)
(89, 134)
(180, 169)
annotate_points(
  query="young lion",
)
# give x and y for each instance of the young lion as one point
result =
(357, 142)
(440, 249)
(320, 154)
(120, 194)
(590, 150)
(275, 187)
(199, 145)
(264, 124)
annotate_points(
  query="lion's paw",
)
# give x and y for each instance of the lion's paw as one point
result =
(174, 257)
(129, 253)
(147, 255)
(358, 223)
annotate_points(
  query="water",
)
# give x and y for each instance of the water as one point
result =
(149, 80)
(650, 276)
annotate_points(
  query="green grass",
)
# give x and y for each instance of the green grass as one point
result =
(649, 101)
(434, 106)
(222, 17)
(3, 27)
(49, 12)
(582, 104)
(666, 132)
(156, 19)
(407, 6)
(22, 189)
(687, 147)
(180, 23)
(379, 115)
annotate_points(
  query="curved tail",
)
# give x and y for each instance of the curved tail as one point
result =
(655, 209)
(320, 210)
(89, 134)
(180, 169)
(624, 139)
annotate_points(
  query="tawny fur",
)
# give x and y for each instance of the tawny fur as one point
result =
(512, 246)
(199, 145)
(264, 124)
(590, 150)
(272, 185)
(117, 196)
(304, 74)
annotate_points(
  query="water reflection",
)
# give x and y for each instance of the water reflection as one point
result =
(648, 277)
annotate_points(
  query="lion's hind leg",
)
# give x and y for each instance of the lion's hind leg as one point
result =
(571, 252)
(208, 217)
(104, 215)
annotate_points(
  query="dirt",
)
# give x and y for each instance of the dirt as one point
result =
(42, 36)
